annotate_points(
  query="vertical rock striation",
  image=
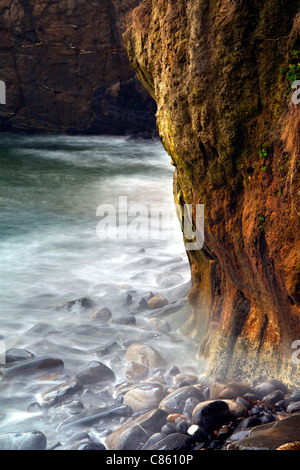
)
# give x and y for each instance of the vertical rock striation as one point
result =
(218, 72)
(66, 69)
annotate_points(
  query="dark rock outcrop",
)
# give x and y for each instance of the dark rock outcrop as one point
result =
(66, 70)
(220, 72)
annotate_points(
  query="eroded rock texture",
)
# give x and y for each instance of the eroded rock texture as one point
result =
(66, 69)
(217, 70)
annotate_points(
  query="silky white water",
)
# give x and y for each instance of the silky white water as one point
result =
(52, 247)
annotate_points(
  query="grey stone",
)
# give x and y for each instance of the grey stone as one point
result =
(173, 441)
(95, 372)
(136, 431)
(33, 366)
(60, 392)
(32, 440)
(17, 355)
(175, 401)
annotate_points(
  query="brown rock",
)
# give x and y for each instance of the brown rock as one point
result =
(144, 397)
(136, 431)
(269, 436)
(217, 386)
(158, 301)
(102, 314)
(146, 355)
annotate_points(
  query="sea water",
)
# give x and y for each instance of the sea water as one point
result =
(55, 192)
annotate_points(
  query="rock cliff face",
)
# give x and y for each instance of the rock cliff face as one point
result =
(65, 68)
(220, 72)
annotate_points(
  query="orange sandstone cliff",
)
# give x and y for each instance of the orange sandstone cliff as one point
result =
(221, 73)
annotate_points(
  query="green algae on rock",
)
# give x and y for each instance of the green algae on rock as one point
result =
(213, 68)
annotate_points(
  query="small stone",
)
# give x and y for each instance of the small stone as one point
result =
(136, 431)
(168, 428)
(294, 396)
(33, 440)
(126, 299)
(17, 355)
(124, 320)
(168, 279)
(95, 372)
(192, 429)
(190, 405)
(185, 378)
(108, 349)
(83, 302)
(263, 389)
(212, 415)
(102, 314)
(293, 407)
(158, 301)
(145, 397)
(273, 397)
(33, 366)
(173, 371)
(229, 393)
(139, 305)
(218, 385)
(59, 393)
(173, 417)
(174, 441)
(136, 371)
(248, 423)
(146, 355)
(175, 401)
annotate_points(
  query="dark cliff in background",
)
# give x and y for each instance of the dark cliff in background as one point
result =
(66, 70)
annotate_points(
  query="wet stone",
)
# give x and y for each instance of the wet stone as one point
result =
(33, 366)
(135, 432)
(136, 371)
(95, 372)
(248, 423)
(144, 397)
(59, 393)
(218, 386)
(267, 436)
(124, 320)
(175, 402)
(126, 299)
(175, 441)
(108, 349)
(102, 314)
(158, 301)
(17, 355)
(293, 407)
(264, 388)
(139, 305)
(82, 302)
(273, 397)
(212, 416)
(189, 406)
(294, 396)
(146, 355)
(93, 417)
(33, 440)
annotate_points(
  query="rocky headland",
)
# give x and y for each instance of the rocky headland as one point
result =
(66, 69)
